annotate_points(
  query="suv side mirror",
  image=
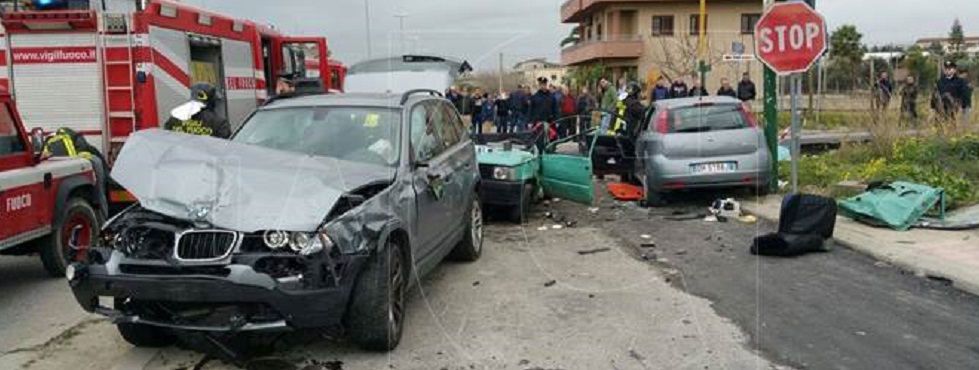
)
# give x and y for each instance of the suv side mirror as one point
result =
(37, 141)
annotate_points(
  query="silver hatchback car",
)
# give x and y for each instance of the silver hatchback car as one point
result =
(701, 143)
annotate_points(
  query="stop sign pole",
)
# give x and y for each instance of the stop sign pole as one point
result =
(789, 38)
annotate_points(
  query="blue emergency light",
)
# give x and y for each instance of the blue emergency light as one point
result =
(50, 4)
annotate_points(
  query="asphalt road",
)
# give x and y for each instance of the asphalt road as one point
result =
(839, 310)
(33, 306)
(695, 300)
(531, 303)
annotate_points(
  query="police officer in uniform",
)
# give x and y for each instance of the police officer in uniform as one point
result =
(950, 96)
(204, 121)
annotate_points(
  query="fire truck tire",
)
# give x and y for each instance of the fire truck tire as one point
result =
(55, 249)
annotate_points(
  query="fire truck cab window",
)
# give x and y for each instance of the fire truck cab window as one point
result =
(10, 139)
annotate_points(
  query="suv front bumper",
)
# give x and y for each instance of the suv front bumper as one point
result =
(295, 306)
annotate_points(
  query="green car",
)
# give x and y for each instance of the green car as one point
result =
(514, 173)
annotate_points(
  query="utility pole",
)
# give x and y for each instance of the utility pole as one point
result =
(501, 72)
(367, 26)
(401, 20)
(703, 68)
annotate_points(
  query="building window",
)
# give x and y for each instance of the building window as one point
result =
(748, 22)
(662, 25)
(695, 24)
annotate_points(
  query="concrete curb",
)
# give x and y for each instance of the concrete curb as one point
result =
(842, 238)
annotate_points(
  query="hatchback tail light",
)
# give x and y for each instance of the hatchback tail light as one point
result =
(662, 122)
(752, 120)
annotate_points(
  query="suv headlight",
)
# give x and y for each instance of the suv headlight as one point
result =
(504, 173)
(302, 243)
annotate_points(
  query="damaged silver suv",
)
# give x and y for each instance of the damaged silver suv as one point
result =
(321, 211)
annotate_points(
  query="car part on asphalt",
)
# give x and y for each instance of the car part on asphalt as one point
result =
(806, 224)
(898, 205)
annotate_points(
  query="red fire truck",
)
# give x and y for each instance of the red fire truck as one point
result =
(107, 68)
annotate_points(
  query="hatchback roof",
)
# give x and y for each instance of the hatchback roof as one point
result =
(689, 102)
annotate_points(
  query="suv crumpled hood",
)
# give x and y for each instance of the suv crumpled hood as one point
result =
(236, 186)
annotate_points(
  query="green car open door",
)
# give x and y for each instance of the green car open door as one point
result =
(568, 175)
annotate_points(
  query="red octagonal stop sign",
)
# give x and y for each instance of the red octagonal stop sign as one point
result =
(790, 37)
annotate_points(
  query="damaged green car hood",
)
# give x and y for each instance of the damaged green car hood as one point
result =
(503, 158)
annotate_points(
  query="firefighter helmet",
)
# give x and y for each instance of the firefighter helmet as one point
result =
(204, 93)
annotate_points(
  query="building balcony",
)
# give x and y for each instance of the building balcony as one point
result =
(574, 11)
(616, 46)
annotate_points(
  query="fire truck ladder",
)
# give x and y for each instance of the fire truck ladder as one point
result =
(119, 75)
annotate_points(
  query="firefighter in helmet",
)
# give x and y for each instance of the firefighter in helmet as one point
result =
(197, 117)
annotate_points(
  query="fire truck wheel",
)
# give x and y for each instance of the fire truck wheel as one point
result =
(73, 234)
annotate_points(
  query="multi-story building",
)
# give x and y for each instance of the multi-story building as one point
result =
(532, 69)
(970, 45)
(645, 39)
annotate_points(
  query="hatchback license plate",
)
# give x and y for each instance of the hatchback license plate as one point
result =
(714, 167)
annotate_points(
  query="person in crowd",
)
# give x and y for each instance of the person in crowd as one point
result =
(661, 91)
(585, 105)
(634, 110)
(543, 109)
(608, 103)
(197, 117)
(487, 111)
(679, 89)
(452, 94)
(909, 100)
(465, 104)
(478, 115)
(502, 106)
(746, 88)
(569, 107)
(518, 109)
(950, 93)
(697, 90)
(726, 89)
(883, 90)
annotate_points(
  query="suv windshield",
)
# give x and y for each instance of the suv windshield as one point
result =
(360, 134)
(707, 118)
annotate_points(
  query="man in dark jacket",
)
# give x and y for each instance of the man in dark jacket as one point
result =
(518, 108)
(697, 90)
(909, 100)
(503, 115)
(746, 88)
(542, 104)
(585, 105)
(679, 89)
(726, 89)
(660, 92)
(634, 110)
(197, 117)
(884, 91)
(951, 92)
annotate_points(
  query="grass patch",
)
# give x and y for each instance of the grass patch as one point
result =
(948, 163)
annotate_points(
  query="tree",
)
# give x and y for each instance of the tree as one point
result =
(936, 49)
(847, 49)
(956, 42)
(573, 38)
(924, 69)
(586, 75)
(677, 57)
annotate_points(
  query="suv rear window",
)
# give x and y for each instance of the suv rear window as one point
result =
(707, 118)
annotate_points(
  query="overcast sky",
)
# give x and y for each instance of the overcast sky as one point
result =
(479, 30)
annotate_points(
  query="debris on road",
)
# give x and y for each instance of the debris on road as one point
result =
(748, 219)
(593, 210)
(646, 236)
(647, 245)
(625, 192)
(542, 228)
(550, 283)
(594, 251)
(806, 223)
(557, 227)
(476, 283)
(681, 252)
(898, 205)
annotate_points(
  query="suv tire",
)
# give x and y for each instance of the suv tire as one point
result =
(375, 318)
(80, 222)
(471, 246)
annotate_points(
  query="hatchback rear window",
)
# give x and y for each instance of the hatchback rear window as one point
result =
(707, 118)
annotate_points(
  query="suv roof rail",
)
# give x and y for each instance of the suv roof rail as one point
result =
(409, 93)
